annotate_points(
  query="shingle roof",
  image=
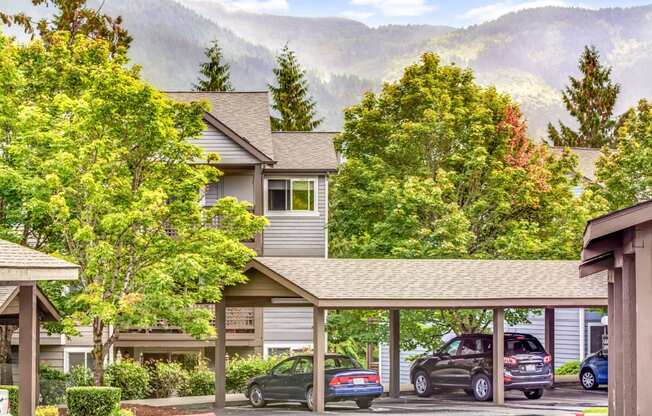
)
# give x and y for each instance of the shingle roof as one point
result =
(246, 113)
(517, 282)
(586, 160)
(22, 263)
(304, 151)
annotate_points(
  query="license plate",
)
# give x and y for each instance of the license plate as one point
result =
(530, 368)
(358, 381)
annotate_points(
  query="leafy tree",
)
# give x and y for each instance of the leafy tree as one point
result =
(101, 163)
(76, 18)
(290, 95)
(215, 73)
(438, 167)
(625, 172)
(590, 100)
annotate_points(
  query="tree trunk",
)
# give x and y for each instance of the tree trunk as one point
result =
(98, 352)
(6, 375)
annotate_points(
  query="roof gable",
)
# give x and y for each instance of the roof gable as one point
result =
(305, 150)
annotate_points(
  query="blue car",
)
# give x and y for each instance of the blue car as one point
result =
(594, 371)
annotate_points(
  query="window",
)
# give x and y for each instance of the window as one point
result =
(283, 368)
(596, 334)
(78, 358)
(304, 366)
(522, 345)
(278, 351)
(451, 347)
(291, 195)
(471, 346)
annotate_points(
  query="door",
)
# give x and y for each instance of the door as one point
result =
(441, 372)
(300, 379)
(470, 357)
(276, 387)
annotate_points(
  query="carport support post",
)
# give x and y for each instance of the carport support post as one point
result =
(395, 353)
(616, 342)
(28, 324)
(643, 288)
(499, 356)
(629, 334)
(550, 337)
(319, 371)
(220, 355)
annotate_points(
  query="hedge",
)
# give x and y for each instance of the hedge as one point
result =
(93, 401)
(13, 398)
(241, 369)
(47, 411)
(568, 368)
(129, 376)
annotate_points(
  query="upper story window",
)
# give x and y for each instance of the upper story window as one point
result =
(292, 195)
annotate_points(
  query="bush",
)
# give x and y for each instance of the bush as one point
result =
(240, 370)
(130, 377)
(80, 377)
(47, 411)
(93, 401)
(167, 379)
(190, 362)
(52, 385)
(201, 382)
(569, 368)
(126, 412)
(13, 398)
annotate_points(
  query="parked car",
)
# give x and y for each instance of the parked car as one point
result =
(466, 362)
(291, 380)
(594, 371)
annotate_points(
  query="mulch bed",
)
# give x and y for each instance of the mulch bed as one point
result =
(155, 411)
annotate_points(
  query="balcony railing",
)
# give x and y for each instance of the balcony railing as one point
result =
(238, 321)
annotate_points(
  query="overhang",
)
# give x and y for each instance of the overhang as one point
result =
(21, 264)
(9, 306)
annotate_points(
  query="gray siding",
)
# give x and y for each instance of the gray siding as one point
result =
(238, 186)
(298, 236)
(51, 355)
(287, 325)
(214, 141)
(405, 363)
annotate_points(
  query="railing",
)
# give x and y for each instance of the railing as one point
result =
(210, 223)
(238, 321)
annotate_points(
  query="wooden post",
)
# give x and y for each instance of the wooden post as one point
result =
(611, 365)
(259, 208)
(616, 342)
(28, 326)
(395, 353)
(643, 301)
(220, 355)
(499, 356)
(550, 337)
(629, 333)
(319, 371)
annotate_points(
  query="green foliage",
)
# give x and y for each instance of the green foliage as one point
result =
(126, 412)
(591, 101)
(48, 373)
(167, 379)
(130, 377)
(201, 382)
(214, 73)
(47, 411)
(568, 368)
(190, 362)
(79, 376)
(13, 398)
(93, 401)
(240, 369)
(291, 99)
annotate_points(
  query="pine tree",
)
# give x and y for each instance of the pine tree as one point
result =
(291, 98)
(591, 101)
(214, 73)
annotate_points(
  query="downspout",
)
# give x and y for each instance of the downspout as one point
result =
(582, 335)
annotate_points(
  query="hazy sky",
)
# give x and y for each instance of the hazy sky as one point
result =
(446, 12)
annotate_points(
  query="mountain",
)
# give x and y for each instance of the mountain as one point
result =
(528, 54)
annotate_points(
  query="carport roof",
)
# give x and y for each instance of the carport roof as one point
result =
(368, 283)
(22, 264)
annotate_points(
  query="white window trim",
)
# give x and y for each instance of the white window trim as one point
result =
(290, 345)
(314, 213)
(66, 357)
(591, 326)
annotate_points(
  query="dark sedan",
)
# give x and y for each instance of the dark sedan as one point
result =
(291, 380)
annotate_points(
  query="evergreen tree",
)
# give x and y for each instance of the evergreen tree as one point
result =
(291, 99)
(590, 100)
(215, 73)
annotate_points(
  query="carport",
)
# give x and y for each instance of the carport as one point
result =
(407, 284)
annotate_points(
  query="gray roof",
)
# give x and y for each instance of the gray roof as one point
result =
(586, 160)
(246, 113)
(471, 282)
(304, 151)
(18, 263)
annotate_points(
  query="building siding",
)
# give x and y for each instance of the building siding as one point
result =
(287, 324)
(405, 363)
(214, 141)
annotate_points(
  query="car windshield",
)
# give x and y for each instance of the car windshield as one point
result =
(341, 362)
(522, 345)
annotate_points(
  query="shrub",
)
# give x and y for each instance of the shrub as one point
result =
(80, 377)
(13, 398)
(568, 368)
(240, 370)
(190, 362)
(47, 411)
(126, 412)
(93, 401)
(201, 382)
(167, 379)
(130, 377)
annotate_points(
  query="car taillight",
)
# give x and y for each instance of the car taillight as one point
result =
(374, 378)
(547, 359)
(507, 376)
(510, 361)
(336, 381)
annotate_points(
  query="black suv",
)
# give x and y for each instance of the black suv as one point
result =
(466, 362)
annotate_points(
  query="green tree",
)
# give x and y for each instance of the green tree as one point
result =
(102, 164)
(290, 96)
(214, 73)
(591, 101)
(438, 167)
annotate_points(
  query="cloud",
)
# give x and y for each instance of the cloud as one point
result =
(495, 10)
(398, 7)
(254, 6)
(356, 15)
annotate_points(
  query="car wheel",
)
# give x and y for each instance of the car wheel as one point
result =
(533, 394)
(469, 392)
(309, 401)
(482, 389)
(587, 378)
(363, 403)
(256, 397)
(422, 384)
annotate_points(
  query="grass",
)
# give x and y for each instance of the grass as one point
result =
(596, 411)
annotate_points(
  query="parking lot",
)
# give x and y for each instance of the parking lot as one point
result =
(557, 402)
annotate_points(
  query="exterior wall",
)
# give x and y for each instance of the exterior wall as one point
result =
(287, 328)
(383, 363)
(240, 186)
(214, 141)
(295, 235)
(51, 355)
